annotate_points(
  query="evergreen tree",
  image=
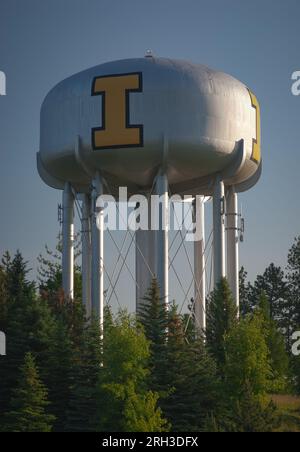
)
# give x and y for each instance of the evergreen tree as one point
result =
(249, 415)
(29, 325)
(83, 402)
(194, 377)
(18, 286)
(293, 311)
(186, 374)
(252, 416)
(246, 292)
(273, 284)
(295, 367)
(3, 299)
(293, 277)
(50, 271)
(221, 319)
(276, 346)
(154, 318)
(29, 402)
(57, 371)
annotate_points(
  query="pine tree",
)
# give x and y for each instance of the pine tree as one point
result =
(246, 291)
(29, 402)
(18, 294)
(275, 342)
(185, 373)
(3, 299)
(29, 324)
(221, 319)
(194, 377)
(250, 415)
(293, 277)
(50, 271)
(18, 286)
(295, 367)
(154, 318)
(273, 284)
(57, 372)
(84, 399)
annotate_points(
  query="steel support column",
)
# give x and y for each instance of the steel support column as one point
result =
(162, 243)
(86, 254)
(199, 265)
(232, 216)
(219, 231)
(68, 242)
(97, 251)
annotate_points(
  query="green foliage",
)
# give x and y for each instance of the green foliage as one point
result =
(154, 318)
(295, 365)
(149, 374)
(83, 400)
(141, 413)
(50, 271)
(250, 415)
(247, 359)
(28, 327)
(293, 276)
(221, 319)
(57, 373)
(29, 402)
(127, 404)
(181, 369)
(273, 284)
(278, 356)
(246, 302)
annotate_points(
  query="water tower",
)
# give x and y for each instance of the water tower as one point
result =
(153, 125)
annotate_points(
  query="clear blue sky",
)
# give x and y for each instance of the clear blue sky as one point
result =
(44, 41)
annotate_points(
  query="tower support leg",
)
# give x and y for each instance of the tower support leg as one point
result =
(199, 266)
(97, 251)
(219, 231)
(86, 254)
(68, 242)
(162, 243)
(232, 242)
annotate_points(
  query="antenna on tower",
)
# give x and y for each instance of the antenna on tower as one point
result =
(59, 213)
(242, 226)
(149, 54)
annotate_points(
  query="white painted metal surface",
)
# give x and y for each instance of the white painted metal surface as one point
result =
(232, 225)
(162, 244)
(2, 344)
(219, 230)
(68, 241)
(203, 112)
(200, 127)
(199, 267)
(86, 254)
(97, 251)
